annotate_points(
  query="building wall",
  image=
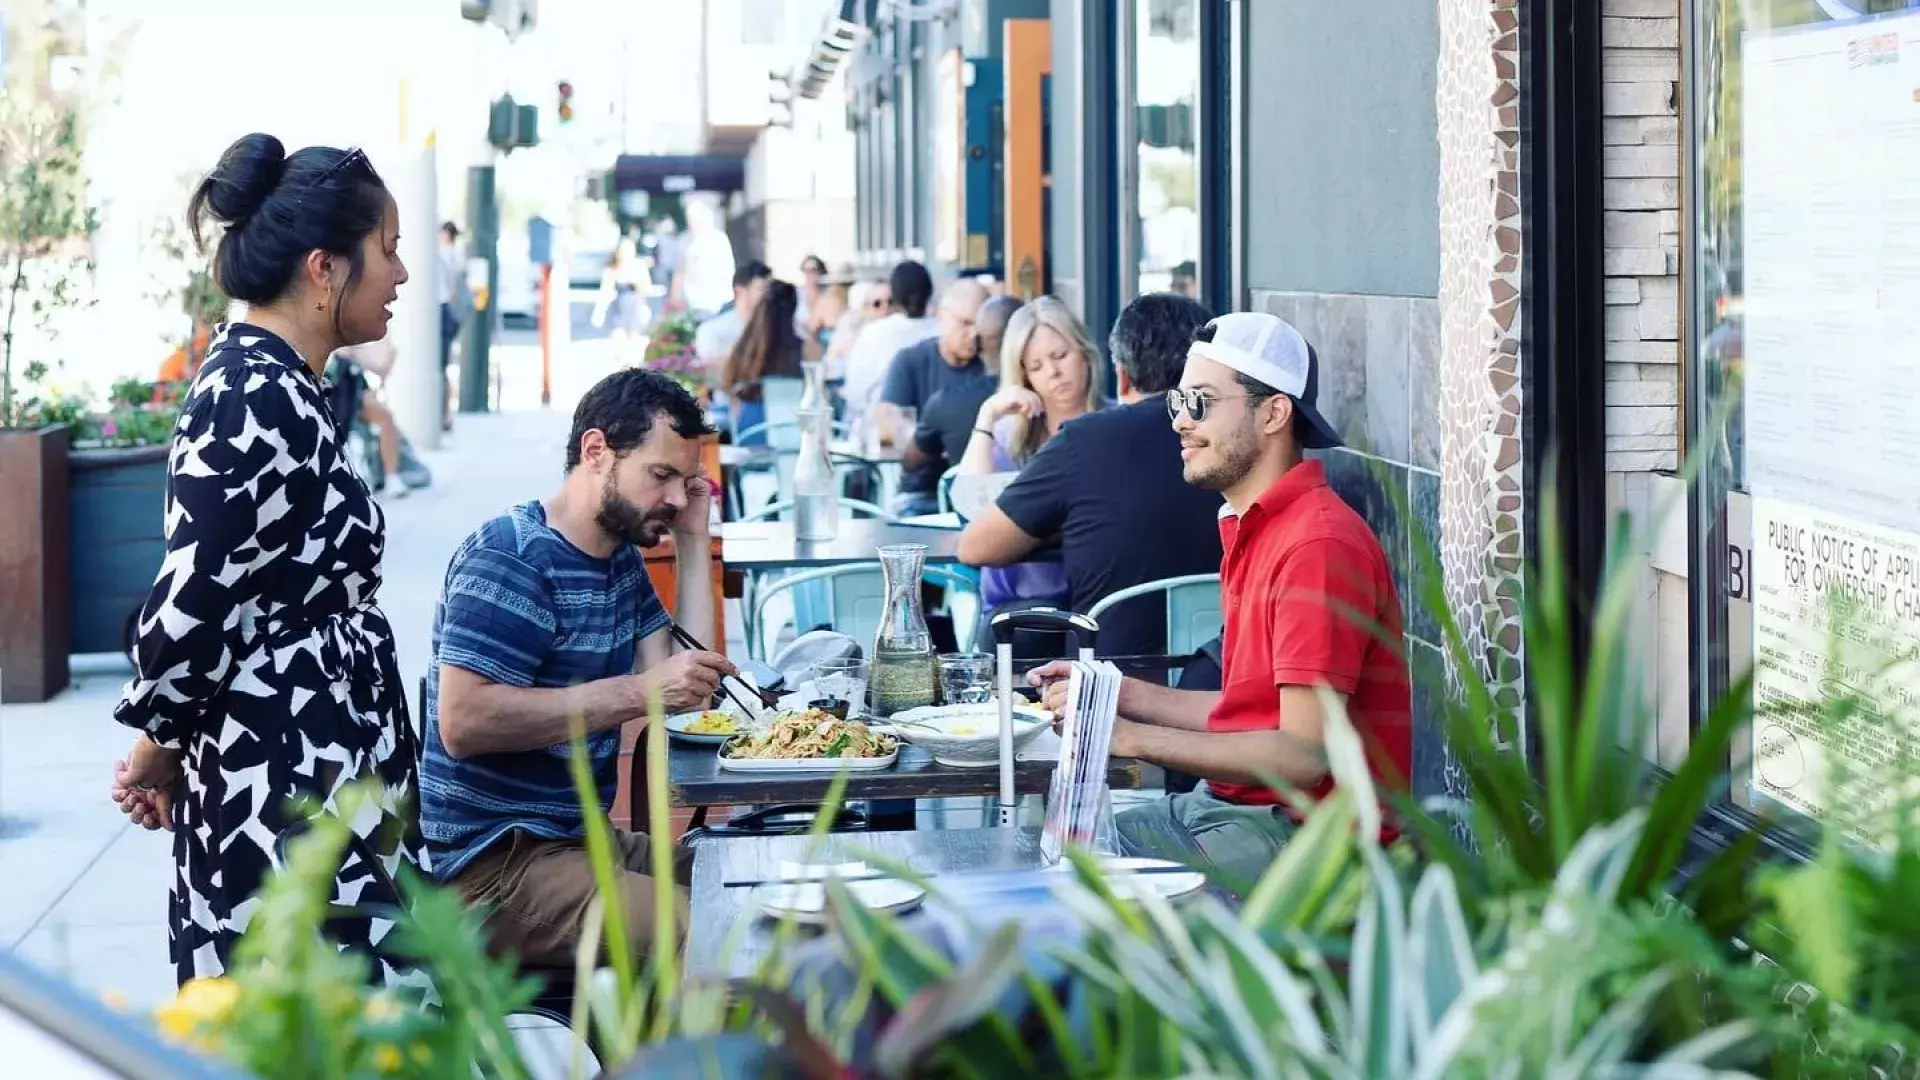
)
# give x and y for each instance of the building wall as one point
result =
(1344, 241)
(1641, 97)
(1342, 170)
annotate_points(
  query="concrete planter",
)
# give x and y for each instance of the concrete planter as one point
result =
(117, 498)
(34, 536)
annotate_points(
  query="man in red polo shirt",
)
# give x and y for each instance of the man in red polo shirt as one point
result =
(1307, 600)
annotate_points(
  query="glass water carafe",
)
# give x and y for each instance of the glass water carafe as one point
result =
(904, 672)
(813, 394)
(816, 489)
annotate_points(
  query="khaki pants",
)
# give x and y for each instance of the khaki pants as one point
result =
(538, 891)
(1234, 844)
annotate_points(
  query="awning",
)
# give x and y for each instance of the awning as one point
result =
(846, 24)
(663, 174)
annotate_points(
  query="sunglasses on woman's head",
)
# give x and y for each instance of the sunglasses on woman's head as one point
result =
(346, 160)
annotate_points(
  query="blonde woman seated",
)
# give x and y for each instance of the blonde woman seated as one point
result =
(1046, 379)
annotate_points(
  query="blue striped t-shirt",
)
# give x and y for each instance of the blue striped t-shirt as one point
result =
(522, 606)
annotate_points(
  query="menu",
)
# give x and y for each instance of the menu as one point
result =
(1831, 206)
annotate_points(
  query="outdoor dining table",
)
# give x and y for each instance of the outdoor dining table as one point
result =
(727, 938)
(771, 545)
(695, 779)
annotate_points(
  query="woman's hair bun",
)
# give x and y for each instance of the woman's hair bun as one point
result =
(244, 178)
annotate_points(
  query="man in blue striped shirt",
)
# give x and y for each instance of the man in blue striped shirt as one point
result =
(547, 620)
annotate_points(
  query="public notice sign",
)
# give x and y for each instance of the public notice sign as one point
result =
(1831, 262)
(1830, 256)
(1836, 617)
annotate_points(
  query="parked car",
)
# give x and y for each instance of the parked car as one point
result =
(519, 287)
(586, 267)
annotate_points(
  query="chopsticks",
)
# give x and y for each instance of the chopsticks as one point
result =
(689, 641)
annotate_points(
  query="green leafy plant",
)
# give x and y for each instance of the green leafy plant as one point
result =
(43, 214)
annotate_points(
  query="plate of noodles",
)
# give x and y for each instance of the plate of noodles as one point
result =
(711, 727)
(809, 740)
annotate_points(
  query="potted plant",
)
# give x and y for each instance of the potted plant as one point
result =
(118, 464)
(43, 227)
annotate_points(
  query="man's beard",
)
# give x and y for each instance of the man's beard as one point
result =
(621, 518)
(1235, 457)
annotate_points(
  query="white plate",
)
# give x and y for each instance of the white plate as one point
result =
(678, 723)
(809, 765)
(968, 735)
(1176, 885)
(807, 902)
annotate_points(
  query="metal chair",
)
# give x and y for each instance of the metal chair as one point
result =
(855, 596)
(944, 491)
(1193, 609)
(811, 606)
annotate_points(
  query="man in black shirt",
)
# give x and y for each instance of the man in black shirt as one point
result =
(918, 372)
(1108, 486)
(946, 422)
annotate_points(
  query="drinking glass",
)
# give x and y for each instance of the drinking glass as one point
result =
(843, 680)
(966, 678)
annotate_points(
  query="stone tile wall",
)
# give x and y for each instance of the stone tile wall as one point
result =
(1641, 193)
(1379, 374)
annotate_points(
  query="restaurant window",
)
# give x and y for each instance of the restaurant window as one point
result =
(1161, 184)
(1804, 393)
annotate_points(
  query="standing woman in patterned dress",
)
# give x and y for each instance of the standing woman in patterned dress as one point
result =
(265, 669)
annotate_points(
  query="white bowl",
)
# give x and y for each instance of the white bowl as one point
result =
(968, 736)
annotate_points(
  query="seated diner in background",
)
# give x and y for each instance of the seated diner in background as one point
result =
(947, 420)
(920, 371)
(1047, 378)
(1309, 602)
(769, 348)
(548, 620)
(1108, 488)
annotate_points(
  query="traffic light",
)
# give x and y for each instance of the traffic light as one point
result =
(512, 126)
(565, 109)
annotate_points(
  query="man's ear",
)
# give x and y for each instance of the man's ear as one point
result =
(1276, 415)
(593, 446)
(1122, 386)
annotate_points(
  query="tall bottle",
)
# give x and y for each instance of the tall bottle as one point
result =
(904, 672)
(813, 394)
(816, 490)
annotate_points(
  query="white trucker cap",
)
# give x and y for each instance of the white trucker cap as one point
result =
(1264, 347)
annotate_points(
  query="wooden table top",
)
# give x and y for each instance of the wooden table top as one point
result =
(770, 545)
(718, 944)
(695, 778)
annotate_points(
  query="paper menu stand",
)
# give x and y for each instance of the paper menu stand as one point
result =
(1079, 807)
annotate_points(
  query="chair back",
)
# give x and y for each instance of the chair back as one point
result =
(776, 510)
(944, 490)
(1193, 609)
(851, 598)
(781, 395)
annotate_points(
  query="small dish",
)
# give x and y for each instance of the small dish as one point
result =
(803, 897)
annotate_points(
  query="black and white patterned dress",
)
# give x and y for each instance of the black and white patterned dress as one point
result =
(261, 652)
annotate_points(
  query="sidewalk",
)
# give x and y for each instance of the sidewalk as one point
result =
(87, 892)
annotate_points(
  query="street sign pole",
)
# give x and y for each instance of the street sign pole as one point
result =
(483, 226)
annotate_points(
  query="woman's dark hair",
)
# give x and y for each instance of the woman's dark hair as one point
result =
(624, 406)
(1150, 338)
(912, 288)
(768, 346)
(275, 209)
